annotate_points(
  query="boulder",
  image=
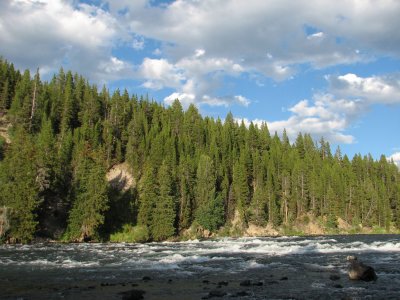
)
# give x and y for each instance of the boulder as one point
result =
(359, 271)
(132, 295)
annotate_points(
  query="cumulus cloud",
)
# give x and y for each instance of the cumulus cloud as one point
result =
(247, 31)
(396, 158)
(48, 34)
(331, 113)
(159, 73)
(194, 78)
(325, 116)
(201, 43)
(375, 89)
(202, 38)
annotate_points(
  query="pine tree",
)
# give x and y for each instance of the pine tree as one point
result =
(91, 196)
(163, 219)
(241, 190)
(186, 192)
(19, 187)
(205, 182)
(148, 193)
(21, 107)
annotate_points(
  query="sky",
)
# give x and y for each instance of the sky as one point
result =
(327, 68)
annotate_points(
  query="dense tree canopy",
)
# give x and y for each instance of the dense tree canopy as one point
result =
(188, 169)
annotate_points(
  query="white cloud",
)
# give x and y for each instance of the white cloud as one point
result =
(184, 98)
(225, 101)
(48, 34)
(190, 77)
(201, 43)
(375, 89)
(189, 98)
(396, 158)
(159, 73)
(257, 38)
(316, 36)
(246, 31)
(199, 52)
(331, 114)
(138, 43)
(324, 116)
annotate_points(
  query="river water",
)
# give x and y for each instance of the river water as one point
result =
(282, 267)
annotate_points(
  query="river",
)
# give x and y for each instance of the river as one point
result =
(248, 268)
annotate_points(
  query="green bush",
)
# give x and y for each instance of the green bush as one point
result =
(131, 234)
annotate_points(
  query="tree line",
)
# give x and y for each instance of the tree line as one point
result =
(189, 170)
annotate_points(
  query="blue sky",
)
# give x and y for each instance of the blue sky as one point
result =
(328, 68)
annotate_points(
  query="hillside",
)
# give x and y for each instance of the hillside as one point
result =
(84, 164)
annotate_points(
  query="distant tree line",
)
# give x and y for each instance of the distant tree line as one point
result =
(66, 134)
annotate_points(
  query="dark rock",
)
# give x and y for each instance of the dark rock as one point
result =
(241, 294)
(334, 277)
(259, 283)
(206, 281)
(273, 282)
(133, 295)
(146, 278)
(338, 286)
(134, 284)
(359, 271)
(216, 293)
(284, 278)
(245, 283)
(225, 283)
(91, 287)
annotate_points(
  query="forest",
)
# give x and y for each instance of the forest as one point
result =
(61, 137)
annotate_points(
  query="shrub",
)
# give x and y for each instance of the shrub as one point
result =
(131, 234)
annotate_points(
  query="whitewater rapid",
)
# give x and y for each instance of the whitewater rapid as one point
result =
(192, 256)
(293, 266)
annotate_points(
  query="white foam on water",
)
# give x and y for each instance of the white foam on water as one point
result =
(253, 265)
(229, 252)
(320, 267)
(318, 285)
(66, 263)
(69, 263)
(178, 258)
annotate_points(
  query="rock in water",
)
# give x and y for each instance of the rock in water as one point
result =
(359, 271)
(133, 295)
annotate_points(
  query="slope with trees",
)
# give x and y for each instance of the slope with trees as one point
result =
(192, 172)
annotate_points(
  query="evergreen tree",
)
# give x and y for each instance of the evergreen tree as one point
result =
(90, 192)
(163, 219)
(148, 193)
(20, 187)
(241, 189)
(205, 182)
